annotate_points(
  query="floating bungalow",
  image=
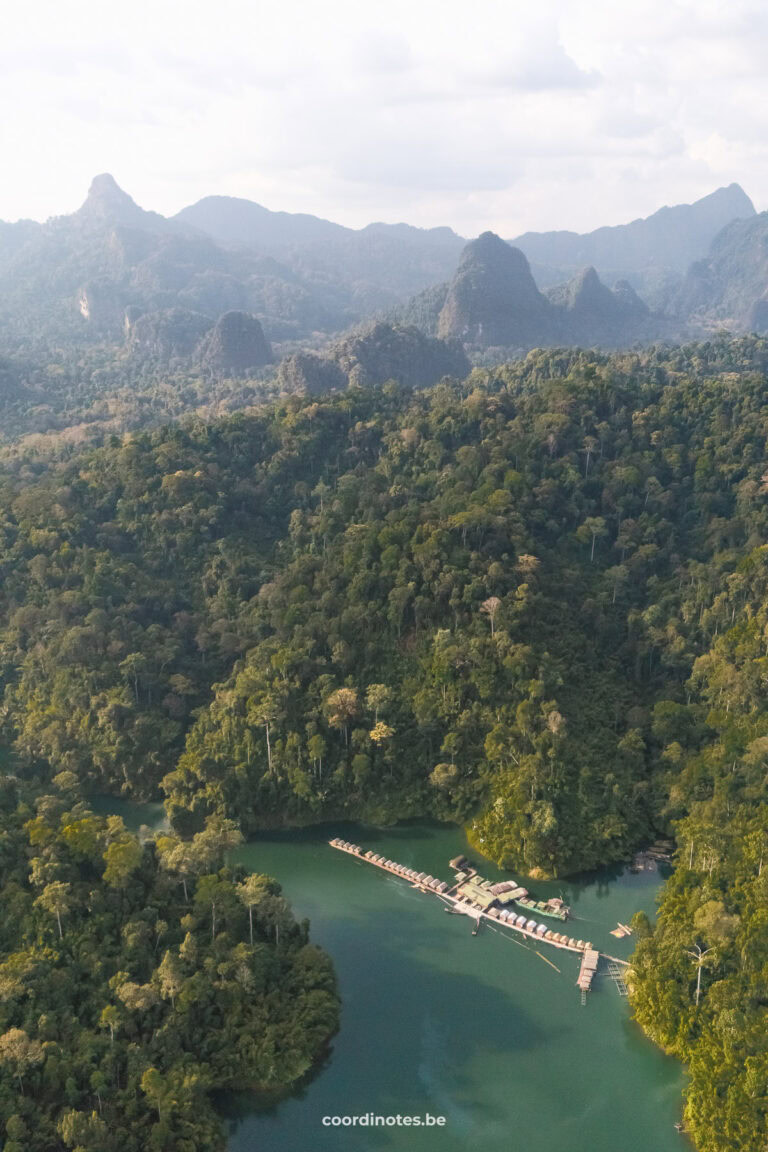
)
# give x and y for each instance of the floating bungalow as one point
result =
(474, 896)
(508, 892)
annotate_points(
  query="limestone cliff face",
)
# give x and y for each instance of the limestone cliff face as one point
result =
(493, 301)
(585, 295)
(235, 346)
(380, 353)
(310, 373)
(167, 334)
(590, 313)
(391, 352)
(493, 298)
(729, 287)
(100, 304)
(757, 317)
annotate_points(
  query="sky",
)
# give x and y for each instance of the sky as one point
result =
(486, 114)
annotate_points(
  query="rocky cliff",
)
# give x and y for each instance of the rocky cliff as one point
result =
(373, 356)
(164, 335)
(493, 298)
(590, 313)
(235, 346)
(493, 301)
(729, 288)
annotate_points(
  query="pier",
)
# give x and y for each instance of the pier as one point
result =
(617, 975)
(484, 906)
(589, 962)
(482, 901)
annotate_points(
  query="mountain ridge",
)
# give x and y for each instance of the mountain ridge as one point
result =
(671, 238)
(304, 278)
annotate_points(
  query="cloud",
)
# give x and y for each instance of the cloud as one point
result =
(569, 113)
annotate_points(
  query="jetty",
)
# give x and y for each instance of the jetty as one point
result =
(471, 899)
(617, 975)
(480, 900)
(589, 961)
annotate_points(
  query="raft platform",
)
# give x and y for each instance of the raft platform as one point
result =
(589, 962)
(426, 883)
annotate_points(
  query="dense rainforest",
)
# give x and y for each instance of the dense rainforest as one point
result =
(700, 975)
(531, 601)
(139, 975)
(55, 398)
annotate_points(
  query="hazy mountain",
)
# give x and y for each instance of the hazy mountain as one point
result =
(493, 298)
(730, 287)
(667, 241)
(493, 301)
(373, 356)
(107, 205)
(73, 277)
(235, 346)
(233, 221)
(381, 262)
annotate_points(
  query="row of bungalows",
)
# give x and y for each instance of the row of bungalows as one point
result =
(347, 846)
(531, 928)
(473, 896)
(422, 879)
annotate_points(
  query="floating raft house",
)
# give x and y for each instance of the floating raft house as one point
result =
(473, 896)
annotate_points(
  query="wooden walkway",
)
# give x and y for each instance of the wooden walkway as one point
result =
(590, 957)
(439, 888)
(617, 975)
(589, 962)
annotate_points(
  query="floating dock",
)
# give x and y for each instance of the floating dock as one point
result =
(483, 908)
(617, 975)
(589, 962)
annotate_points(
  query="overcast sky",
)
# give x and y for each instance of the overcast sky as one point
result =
(484, 114)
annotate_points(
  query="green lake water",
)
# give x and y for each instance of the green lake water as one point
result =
(478, 1029)
(135, 815)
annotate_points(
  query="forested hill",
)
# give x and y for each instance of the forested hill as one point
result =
(497, 562)
(139, 975)
(714, 912)
(529, 601)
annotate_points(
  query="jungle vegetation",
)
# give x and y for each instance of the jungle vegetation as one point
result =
(138, 975)
(531, 601)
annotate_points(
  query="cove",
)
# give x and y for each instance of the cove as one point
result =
(478, 1029)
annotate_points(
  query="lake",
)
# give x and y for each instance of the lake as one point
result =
(478, 1029)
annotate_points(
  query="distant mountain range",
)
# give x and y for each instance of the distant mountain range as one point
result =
(380, 263)
(729, 287)
(116, 272)
(74, 276)
(493, 301)
(642, 252)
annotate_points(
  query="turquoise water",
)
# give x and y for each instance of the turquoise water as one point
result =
(478, 1029)
(150, 815)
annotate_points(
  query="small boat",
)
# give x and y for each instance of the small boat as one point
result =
(553, 907)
